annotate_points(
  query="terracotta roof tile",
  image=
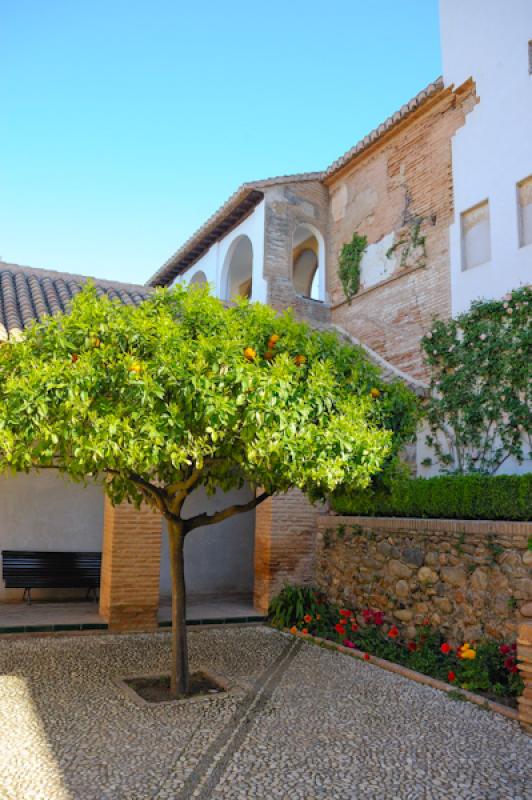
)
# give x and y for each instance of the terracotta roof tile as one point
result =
(28, 294)
(384, 127)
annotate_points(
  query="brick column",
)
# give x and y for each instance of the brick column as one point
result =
(131, 557)
(284, 545)
(524, 657)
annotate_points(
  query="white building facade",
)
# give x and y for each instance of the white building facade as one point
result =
(490, 42)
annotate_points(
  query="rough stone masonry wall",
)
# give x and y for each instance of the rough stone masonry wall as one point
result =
(469, 578)
(404, 175)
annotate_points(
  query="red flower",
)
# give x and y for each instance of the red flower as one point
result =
(504, 649)
(307, 618)
(348, 643)
(304, 631)
(509, 663)
(378, 618)
(366, 656)
(445, 648)
(393, 633)
(514, 646)
(426, 622)
(339, 629)
(514, 669)
(345, 613)
(354, 627)
(367, 614)
(451, 676)
(412, 646)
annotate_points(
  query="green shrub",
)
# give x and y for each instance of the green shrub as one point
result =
(506, 497)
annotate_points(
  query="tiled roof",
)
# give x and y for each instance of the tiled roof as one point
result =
(242, 202)
(384, 127)
(233, 211)
(28, 294)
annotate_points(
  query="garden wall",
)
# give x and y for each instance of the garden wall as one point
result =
(469, 578)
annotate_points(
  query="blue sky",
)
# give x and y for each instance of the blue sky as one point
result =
(126, 123)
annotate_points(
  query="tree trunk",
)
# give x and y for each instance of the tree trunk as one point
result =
(179, 671)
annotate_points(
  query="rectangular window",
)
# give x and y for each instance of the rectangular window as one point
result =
(475, 226)
(524, 208)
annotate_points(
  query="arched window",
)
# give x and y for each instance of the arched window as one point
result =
(307, 257)
(198, 277)
(237, 278)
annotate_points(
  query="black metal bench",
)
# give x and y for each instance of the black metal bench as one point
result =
(34, 569)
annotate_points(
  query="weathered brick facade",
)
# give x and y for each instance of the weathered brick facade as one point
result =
(284, 545)
(287, 206)
(406, 174)
(524, 658)
(131, 556)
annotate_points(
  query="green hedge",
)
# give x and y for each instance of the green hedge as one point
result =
(448, 496)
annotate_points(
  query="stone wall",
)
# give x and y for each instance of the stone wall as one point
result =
(468, 578)
(406, 175)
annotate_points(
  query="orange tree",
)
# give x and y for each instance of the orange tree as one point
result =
(181, 391)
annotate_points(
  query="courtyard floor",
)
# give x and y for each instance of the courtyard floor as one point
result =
(302, 722)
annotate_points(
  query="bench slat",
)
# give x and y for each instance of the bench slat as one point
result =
(26, 569)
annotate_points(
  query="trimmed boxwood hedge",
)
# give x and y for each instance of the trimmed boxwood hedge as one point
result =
(447, 496)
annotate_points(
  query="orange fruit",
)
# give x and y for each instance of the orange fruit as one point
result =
(268, 355)
(74, 357)
(95, 341)
(274, 338)
(300, 360)
(136, 367)
(375, 393)
(250, 354)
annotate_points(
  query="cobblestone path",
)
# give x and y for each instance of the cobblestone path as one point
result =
(304, 723)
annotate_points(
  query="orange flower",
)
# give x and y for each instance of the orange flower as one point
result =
(307, 618)
(304, 631)
(375, 392)
(293, 629)
(318, 616)
(250, 354)
(300, 360)
(393, 633)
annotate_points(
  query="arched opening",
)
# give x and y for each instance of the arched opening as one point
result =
(198, 277)
(307, 258)
(238, 269)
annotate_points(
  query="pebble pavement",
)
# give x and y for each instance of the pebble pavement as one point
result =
(305, 723)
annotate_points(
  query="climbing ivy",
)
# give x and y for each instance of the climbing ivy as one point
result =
(413, 243)
(349, 265)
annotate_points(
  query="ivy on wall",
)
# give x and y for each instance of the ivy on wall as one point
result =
(349, 265)
(412, 246)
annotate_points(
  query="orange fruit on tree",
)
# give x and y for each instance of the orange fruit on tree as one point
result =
(136, 367)
(375, 393)
(250, 354)
(74, 357)
(300, 360)
(268, 355)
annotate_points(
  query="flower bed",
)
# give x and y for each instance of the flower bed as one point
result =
(487, 667)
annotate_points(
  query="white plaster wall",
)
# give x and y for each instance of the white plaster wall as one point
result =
(212, 263)
(375, 266)
(218, 558)
(423, 451)
(44, 511)
(487, 40)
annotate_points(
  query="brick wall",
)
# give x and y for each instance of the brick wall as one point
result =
(129, 590)
(524, 657)
(284, 545)
(286, 207)
(406, 174)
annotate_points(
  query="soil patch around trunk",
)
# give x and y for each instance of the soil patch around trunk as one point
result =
(156, 688)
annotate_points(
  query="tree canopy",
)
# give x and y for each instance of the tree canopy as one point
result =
(183, 389)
